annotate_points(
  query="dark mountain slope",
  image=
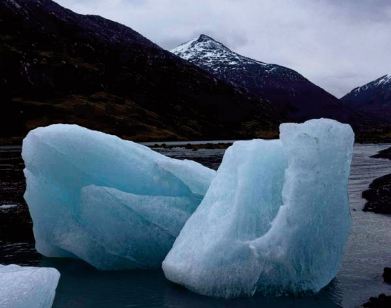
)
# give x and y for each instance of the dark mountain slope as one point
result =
(59, 66)
(373, 98)
(297, 97)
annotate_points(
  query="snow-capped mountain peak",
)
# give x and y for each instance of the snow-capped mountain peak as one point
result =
(206, 49)
(380, 83)
(284, 87)
(384, 80)
(372, 98)
(239, 70)
(203, 42)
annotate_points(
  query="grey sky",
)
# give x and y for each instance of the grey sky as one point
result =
(338, 44)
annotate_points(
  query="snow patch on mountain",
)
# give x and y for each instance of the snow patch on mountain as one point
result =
(209, 50)
(382, 82)
(373, 98)
(216, 58)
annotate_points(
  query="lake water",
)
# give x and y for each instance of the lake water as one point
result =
(367, 253)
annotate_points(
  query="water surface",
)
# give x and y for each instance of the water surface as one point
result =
(367, 252)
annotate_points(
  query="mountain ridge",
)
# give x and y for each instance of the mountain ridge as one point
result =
(57, 66)
(60, 66)
(296, 96)
(373, 98)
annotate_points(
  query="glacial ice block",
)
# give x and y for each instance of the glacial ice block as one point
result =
(113, 203)
(275, 218)
(27, 287)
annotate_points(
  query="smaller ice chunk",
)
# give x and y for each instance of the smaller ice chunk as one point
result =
(27, 287)
(275, 218)
(115, 204)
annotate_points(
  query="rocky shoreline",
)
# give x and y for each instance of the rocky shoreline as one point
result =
(15, 220)
(382, 301)
(193, 146)
(378, 195)
(378, 198)
(386, 153)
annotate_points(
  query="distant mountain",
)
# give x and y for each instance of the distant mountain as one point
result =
(296, 97)
(374, 98)
(59, 66)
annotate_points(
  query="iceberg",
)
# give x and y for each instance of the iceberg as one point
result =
(275, 218)
(113, 203)
(27, 287)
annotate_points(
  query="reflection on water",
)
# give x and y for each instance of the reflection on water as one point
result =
(82, 286)
(360, 277)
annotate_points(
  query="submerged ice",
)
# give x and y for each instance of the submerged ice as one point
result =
(275, 218)
(113, 203)
(27, 287)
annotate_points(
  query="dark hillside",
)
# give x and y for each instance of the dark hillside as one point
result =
(59, 66)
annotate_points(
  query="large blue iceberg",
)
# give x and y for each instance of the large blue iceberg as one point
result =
(27, 287)
(275, 218)
(113, 203)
